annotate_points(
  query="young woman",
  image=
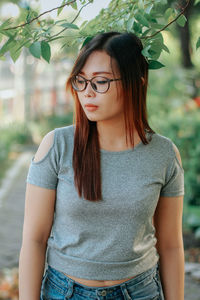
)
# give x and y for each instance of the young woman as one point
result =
(104, 196)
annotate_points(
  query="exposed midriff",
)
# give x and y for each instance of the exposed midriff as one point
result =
(98, 283)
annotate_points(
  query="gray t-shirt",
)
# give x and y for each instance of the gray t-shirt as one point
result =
(114, 238)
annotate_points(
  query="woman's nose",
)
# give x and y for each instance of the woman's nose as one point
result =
(88, 92)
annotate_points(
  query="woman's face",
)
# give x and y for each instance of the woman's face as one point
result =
(109, 104)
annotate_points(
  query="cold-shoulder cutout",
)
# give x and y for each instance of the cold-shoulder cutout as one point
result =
(44, 166)
(178, 156)
(44, 147)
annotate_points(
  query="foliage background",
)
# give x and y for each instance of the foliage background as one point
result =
(173, 84)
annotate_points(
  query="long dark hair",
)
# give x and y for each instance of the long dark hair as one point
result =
(126, 49)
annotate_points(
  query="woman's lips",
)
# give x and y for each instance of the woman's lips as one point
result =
(91, 107)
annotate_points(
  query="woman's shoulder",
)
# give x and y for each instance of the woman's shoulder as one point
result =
(164, 145)
(57, 139)
(63, 135)
(65, 130)
(161, 139)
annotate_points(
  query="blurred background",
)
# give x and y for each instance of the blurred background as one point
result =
(33, 101)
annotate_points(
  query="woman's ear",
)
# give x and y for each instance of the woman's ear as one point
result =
(143, 81)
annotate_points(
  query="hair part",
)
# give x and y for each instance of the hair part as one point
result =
(125, 49)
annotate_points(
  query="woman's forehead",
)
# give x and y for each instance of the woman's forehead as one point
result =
(99, 62)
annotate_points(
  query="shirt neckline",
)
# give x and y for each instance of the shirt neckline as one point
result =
(124, 151)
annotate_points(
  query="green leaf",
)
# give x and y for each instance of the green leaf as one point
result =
(120, 23)
(146, 32)
(158, 26)
(156, 49)
(8, 33)
(196, 2)
(6, 24)
(88, 38)
(168, 13)
(35, 49)
(46, 51)
(181, 21)
(60, 21)
(15, 54)
(69, 25)
(164, 47)
(141, 19)
(73, 5)
(140, 4)
(56, 38)
(162, 2)
(198, 43)
(148, 8)
(60, 9)
(137, 27)
(145, 51)
(24, 43)
(154, 64)
(129, 25)
(7, 46)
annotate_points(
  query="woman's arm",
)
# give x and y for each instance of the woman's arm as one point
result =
(168, 220)
(38, 218)
(168, 225)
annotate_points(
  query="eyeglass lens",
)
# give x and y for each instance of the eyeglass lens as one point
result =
(99, 84)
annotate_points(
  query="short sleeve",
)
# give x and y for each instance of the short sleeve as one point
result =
(174, 178)
(44, 172)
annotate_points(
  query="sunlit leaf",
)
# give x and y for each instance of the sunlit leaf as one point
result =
(140, 4)
(73, 5)
(196, 2)
(148, 8)
(141, 19)
(168, 13)
(5, 24)
(46, 51)
(6, 47)
(163, 2)
(60, 9)
(129, 24)
(15, 54)
(164, 47)
(145, 51)
(181, 21)
(35, 49)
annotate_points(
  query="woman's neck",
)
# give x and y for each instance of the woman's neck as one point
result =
(112, 137)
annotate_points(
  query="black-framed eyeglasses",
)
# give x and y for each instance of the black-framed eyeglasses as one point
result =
(99, 84)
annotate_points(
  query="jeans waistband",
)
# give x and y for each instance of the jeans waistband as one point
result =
(127, 283)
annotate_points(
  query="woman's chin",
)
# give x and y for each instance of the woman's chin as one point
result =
(92, 118)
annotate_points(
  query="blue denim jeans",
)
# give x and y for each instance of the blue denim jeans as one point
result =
(145, 286)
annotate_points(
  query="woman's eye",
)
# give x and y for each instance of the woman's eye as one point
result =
(101, 82)
(80, 81)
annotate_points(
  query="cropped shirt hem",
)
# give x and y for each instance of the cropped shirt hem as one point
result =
(94, 270)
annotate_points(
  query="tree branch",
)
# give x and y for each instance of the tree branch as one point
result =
(48, 11)
(181, 13)
(55, 35)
